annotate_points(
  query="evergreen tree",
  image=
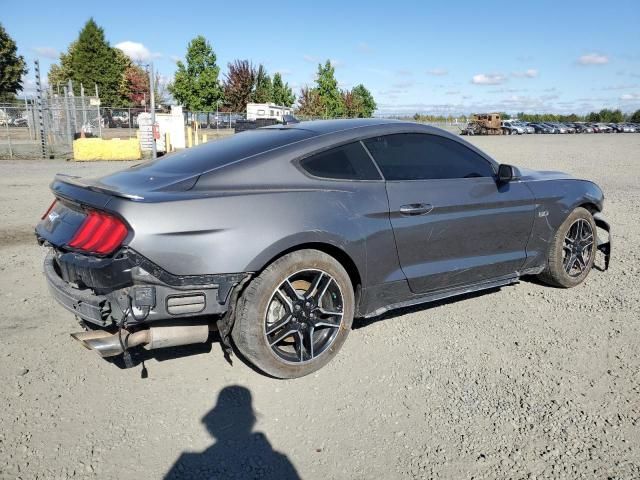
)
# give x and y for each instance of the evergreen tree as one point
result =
(282, 93)
(89, 61)
(328, 92)
(12, 66)
(196, 85)
(364, 99)
(263, 92)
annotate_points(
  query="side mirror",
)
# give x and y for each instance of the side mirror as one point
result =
(506, 173)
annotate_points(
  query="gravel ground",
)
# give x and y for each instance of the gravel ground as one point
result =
(525, 382)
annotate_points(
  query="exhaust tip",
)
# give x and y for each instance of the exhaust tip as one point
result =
(103, 343)
(83, 337)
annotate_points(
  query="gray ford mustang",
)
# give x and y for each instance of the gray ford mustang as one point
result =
(280, 236)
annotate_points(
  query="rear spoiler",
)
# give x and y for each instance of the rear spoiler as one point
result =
(75, 181)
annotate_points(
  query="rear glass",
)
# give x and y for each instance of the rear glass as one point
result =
(223, 152)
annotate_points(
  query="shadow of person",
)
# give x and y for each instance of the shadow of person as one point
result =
(238, 452)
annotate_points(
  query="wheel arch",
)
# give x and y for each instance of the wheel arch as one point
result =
(590, 207)
(336, 252)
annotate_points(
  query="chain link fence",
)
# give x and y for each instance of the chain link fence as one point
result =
(46, 128)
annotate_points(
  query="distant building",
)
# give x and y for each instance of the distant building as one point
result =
(267, 110)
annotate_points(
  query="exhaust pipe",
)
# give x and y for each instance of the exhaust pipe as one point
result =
(107, 344)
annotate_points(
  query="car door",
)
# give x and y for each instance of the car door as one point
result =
(453, 223)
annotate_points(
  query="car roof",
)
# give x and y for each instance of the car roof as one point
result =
(322, 127)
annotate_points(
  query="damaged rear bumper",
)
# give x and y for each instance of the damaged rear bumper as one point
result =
(129, 290)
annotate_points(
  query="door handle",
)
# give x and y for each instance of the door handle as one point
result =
(416, 209)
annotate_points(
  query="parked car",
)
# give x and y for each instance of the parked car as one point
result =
(604, 128)
(512, 128)
(554, 128)
(558, 127)
(541, 128)
(582, 127)
(525, 126)
(282, 235)
(20, 122)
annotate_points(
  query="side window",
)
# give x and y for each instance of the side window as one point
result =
(348, 162)
(418, 156)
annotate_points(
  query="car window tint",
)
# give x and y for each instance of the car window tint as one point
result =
(223, 152)
(416, 156)
(348, 162)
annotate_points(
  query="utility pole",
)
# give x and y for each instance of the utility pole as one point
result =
(152, 99)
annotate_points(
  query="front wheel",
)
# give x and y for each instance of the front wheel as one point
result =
(572, 251)
(293, 318)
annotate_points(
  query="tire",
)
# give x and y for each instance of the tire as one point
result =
(263, 306)
(556, 272)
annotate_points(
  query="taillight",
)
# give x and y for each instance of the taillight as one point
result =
(99, 233)
(53, 204)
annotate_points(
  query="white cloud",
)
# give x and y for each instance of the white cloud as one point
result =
(630, 97)
(335, 63)
(619, 87)
(593, 59)
(438, 72)
(363, 47)
(403, 85)
(137, 51)
(47, 52)
(404, 73)
(174, 58)
(529, 73)
(488, 79)
(452, 92)
(310, 59)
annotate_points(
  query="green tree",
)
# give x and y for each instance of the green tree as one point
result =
(365, 101)
(90, 60)
(616, 116)
(282, 93)
(328, 91)
(12, 66)
(593, 117)
(263, 92)
(635, 118)
(195, 84)
(239, 85)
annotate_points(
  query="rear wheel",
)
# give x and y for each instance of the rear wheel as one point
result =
(293, 318)
(572, 252)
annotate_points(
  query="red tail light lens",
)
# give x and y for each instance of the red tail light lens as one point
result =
(99, 233)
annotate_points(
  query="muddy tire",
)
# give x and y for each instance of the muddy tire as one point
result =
(572, 251)
(294, 317)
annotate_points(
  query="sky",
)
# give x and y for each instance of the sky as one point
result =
(446, 57)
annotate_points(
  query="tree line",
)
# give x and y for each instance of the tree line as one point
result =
(604, 116)
(197, 84)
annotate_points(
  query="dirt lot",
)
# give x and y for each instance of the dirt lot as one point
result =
(525, 382)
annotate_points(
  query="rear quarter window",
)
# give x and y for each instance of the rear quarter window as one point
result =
(347, 162)
(223, 152)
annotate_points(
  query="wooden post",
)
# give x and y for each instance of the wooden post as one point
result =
(189, 137)
(204, 138)
(167, 142)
